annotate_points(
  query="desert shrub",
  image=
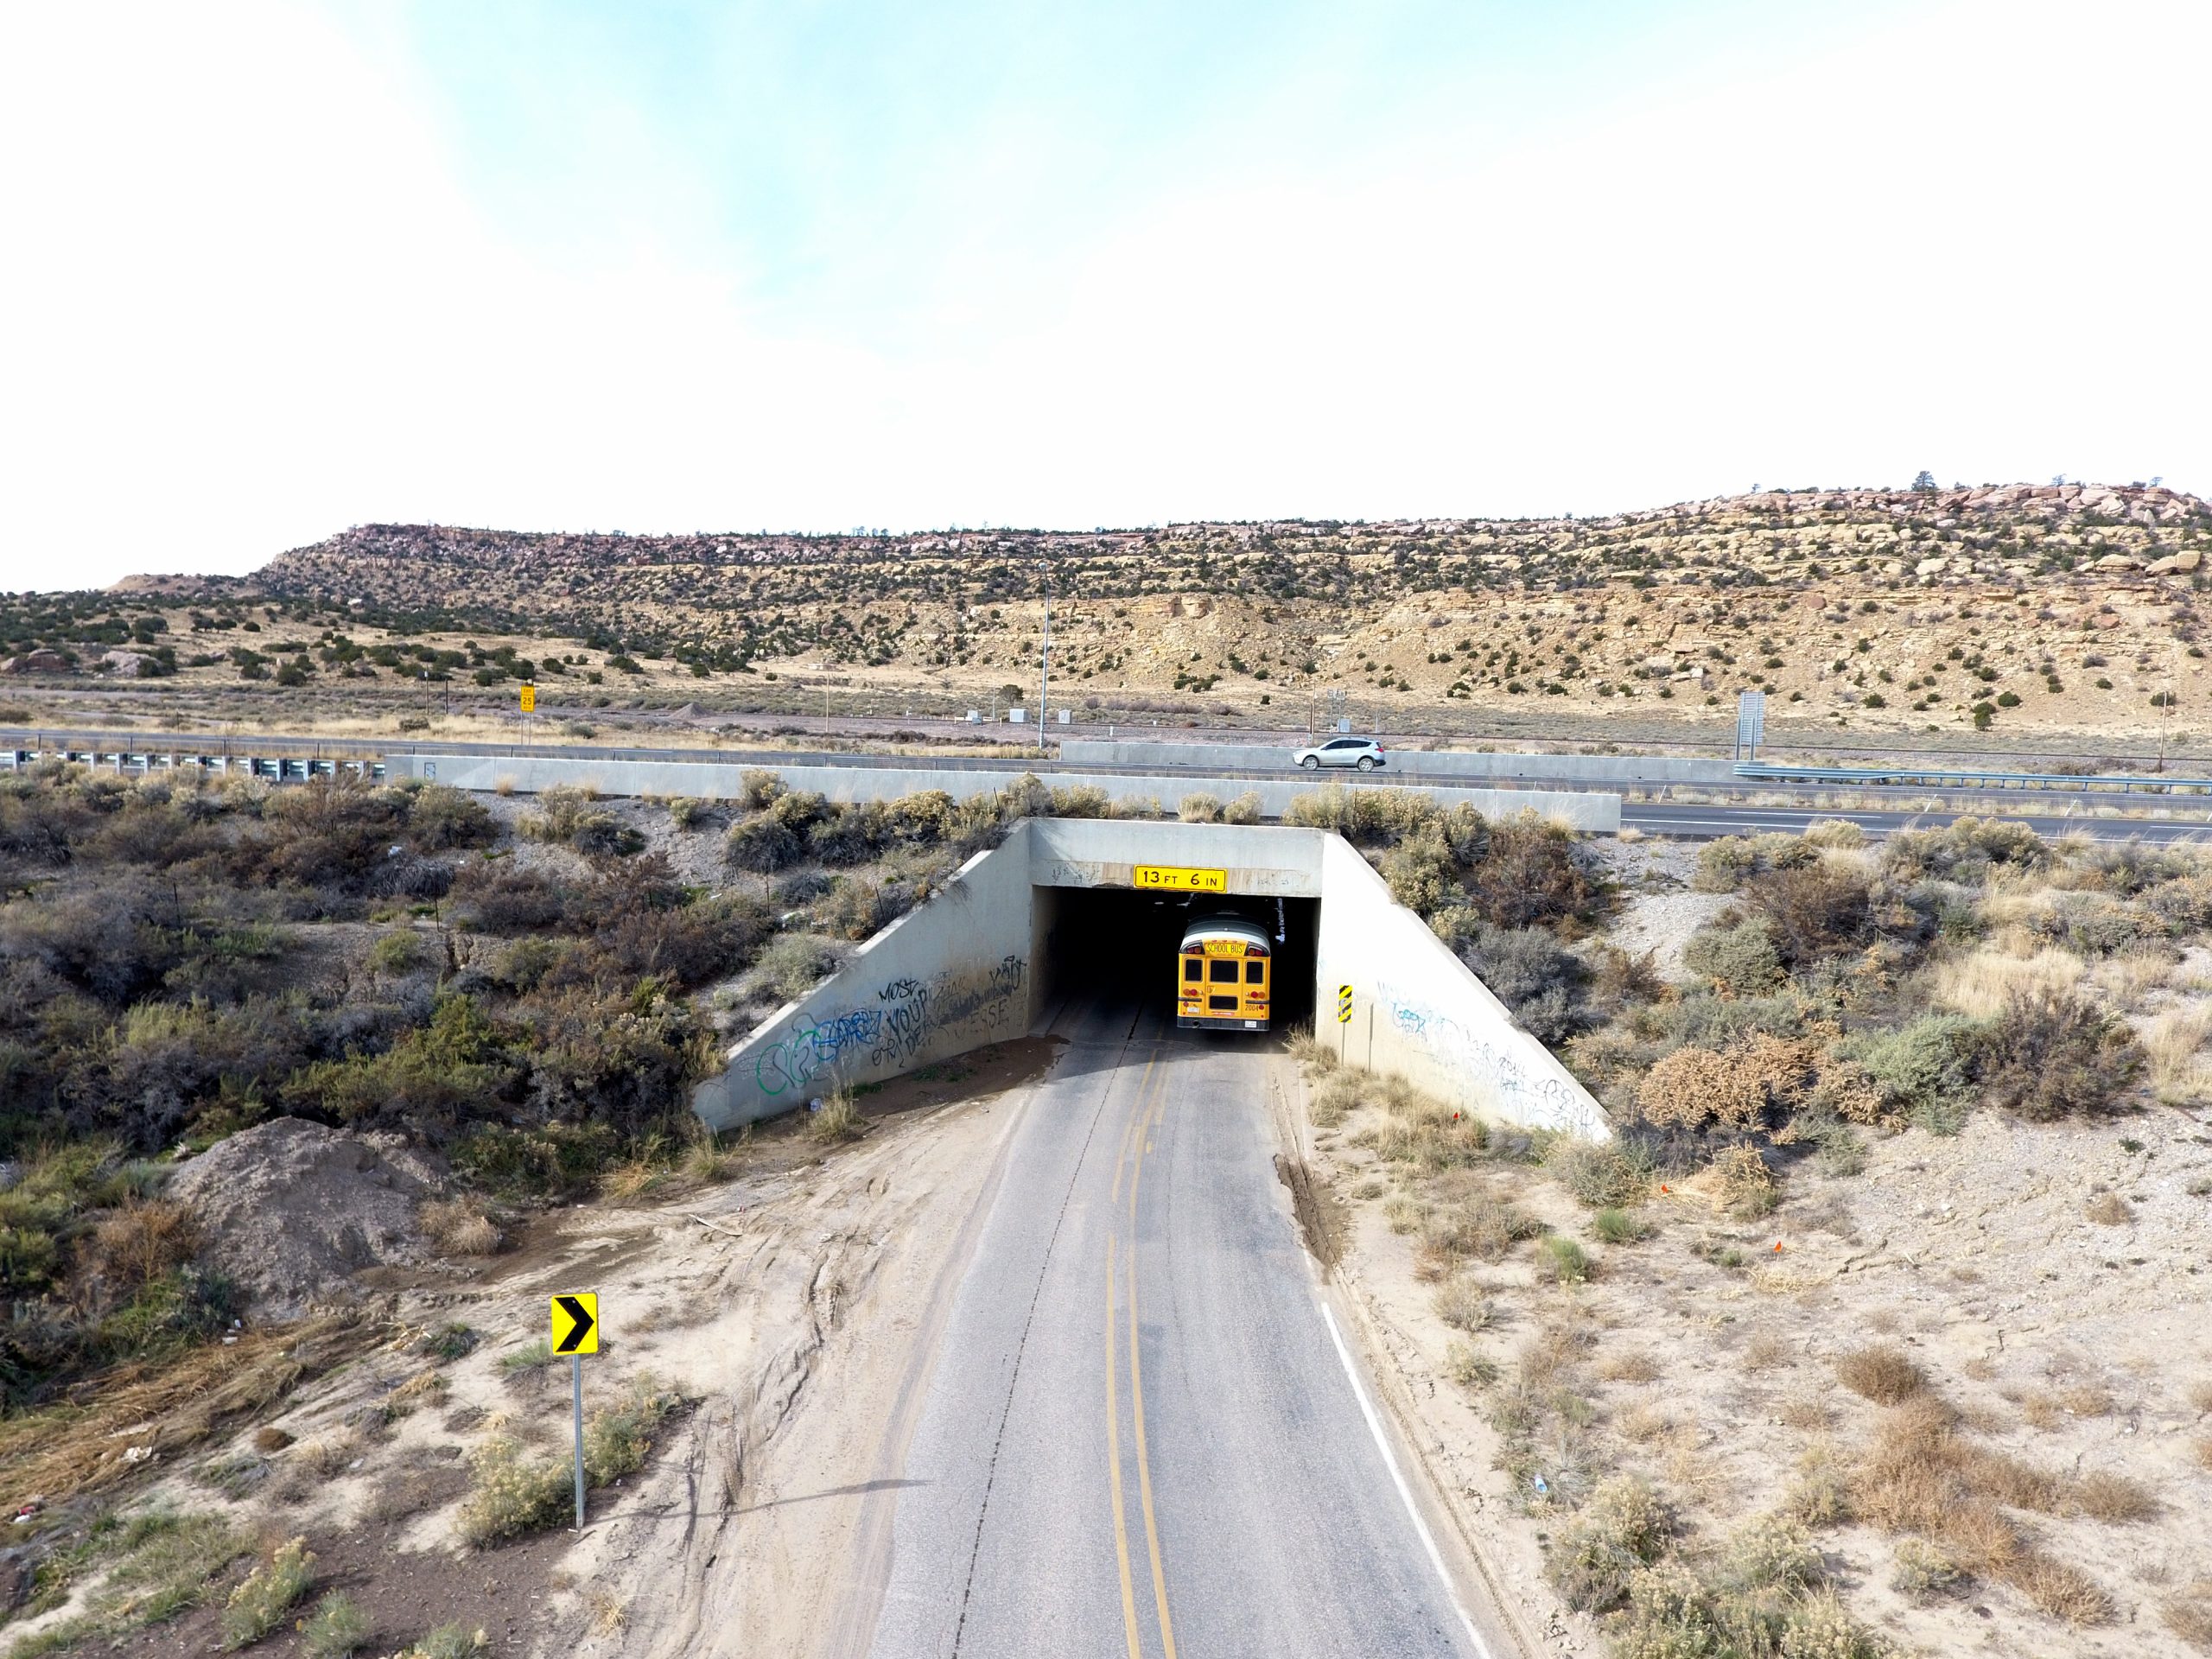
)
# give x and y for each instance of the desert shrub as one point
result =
(1741, 960)
(1478, 1224)
(396, 953)
(1528, 971)
(559, 1160)
(1921, 1572)
(257, 1606)
(1725, 864)
(440, 819)
(2183, 905)
(2092, 925)
(836, 1120)
(1085, 801)
(2117, 1499)
(1741, 1087)
(2062, 1592)
(457, 1067)
(759, 788)
(337, 1628)
(2050, 1055)
(1922, 1069)
(1528, 872)
(793, 964)
(762, 844)
(1811, 910)
(1461, 1304)
(1966, 850)
(1742, 1182)
(1245, 808)
(1415, 1129)
(687, 813)
(1199, 808)
(1626, 1525)
(511, 1492)
(459, 1226)
(453, 1340)
(1564, 1259)
(1834, 832)
(500, 897)
(858, 909)
(135, 1244)
(1600, 1173)
(1612, 1226)
(1422, 873)
(455, 1641)
(1882, 1372)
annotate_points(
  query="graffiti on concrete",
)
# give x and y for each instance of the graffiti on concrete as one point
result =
(1538, 1097)
(970, 1005)
(809, 1047)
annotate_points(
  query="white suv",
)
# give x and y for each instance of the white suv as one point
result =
(1362, 752)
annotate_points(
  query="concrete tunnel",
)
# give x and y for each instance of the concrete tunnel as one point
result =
(1057, 910)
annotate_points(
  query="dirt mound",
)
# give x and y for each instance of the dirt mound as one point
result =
(292, 1210)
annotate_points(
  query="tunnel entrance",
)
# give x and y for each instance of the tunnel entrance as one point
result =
(1116, 948)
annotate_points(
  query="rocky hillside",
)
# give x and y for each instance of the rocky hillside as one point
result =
(2060, 606)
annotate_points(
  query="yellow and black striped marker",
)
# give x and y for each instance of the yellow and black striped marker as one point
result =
(1343, 1005)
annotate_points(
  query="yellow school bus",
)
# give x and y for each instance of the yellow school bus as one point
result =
(1221, 975)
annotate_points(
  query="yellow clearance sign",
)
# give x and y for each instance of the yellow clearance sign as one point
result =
(1167, 878)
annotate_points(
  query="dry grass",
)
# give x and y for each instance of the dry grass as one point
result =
(1805, 1411)
(838, 1120)
(2113, 1499)
(1982, 983)
(2200, 1395)
(1881, 1372)
(2109, 1210)
(168, 1405)
(2201, 1449)
(330, 1456)
(1767, 1351)
(1459, 1302)
(459, 1226)
(2062, 1592)
(1629, 1366)
(2174, 1043)
(1642, 1422)
(2189, 1615)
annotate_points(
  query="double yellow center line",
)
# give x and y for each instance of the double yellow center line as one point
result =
(1150, 1108)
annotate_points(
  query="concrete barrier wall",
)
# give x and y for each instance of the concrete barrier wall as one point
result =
(950, 976)
(1268, 861)
(1411, 763)
(1420, 1014)
(1599, 814)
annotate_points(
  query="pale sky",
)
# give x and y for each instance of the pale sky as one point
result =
(275, 269)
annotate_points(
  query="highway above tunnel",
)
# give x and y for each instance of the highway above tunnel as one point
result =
(1690, 812)
(1143, 1433)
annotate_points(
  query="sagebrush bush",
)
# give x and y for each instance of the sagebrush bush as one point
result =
(1725, 864)
(1602, 1174)
(1882, 1372)
(1928, 1063)
(1741, 959)
(2053, 1055)
(1965, 850)
(337, 1628)
(1626, 1525)
(792, 965)
(1812, 910)
(257, 1606)
(1527, 969)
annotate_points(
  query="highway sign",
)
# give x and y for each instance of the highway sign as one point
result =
(529, 699)
(575, 1323)
(1343, 1005)
(1172, 879)
(1750, 724)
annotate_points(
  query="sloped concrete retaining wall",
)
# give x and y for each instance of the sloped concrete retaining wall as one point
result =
(952, 975)
(1420, 1014)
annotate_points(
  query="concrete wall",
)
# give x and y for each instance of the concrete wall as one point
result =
(950, 976)
(1418, 1013)
(969, 967)
(1599, 814)
(1411, 763)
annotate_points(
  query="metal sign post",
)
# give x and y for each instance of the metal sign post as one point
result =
(575, 1333)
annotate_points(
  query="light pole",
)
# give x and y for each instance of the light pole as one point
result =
(1044, 674)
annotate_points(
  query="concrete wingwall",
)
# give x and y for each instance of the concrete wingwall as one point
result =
(1599, 814)
(942, 979)
(1417, 1012)
(969, 967)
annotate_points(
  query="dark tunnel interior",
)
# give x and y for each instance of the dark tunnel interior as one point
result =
(1116, 947)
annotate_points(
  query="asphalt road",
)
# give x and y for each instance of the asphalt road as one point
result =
(1690, 821)
(1140, 1435)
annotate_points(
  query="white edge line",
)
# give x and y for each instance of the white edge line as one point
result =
(1405, 1492)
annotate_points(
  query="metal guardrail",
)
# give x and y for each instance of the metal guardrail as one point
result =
(1947, 776)
(143, 763)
